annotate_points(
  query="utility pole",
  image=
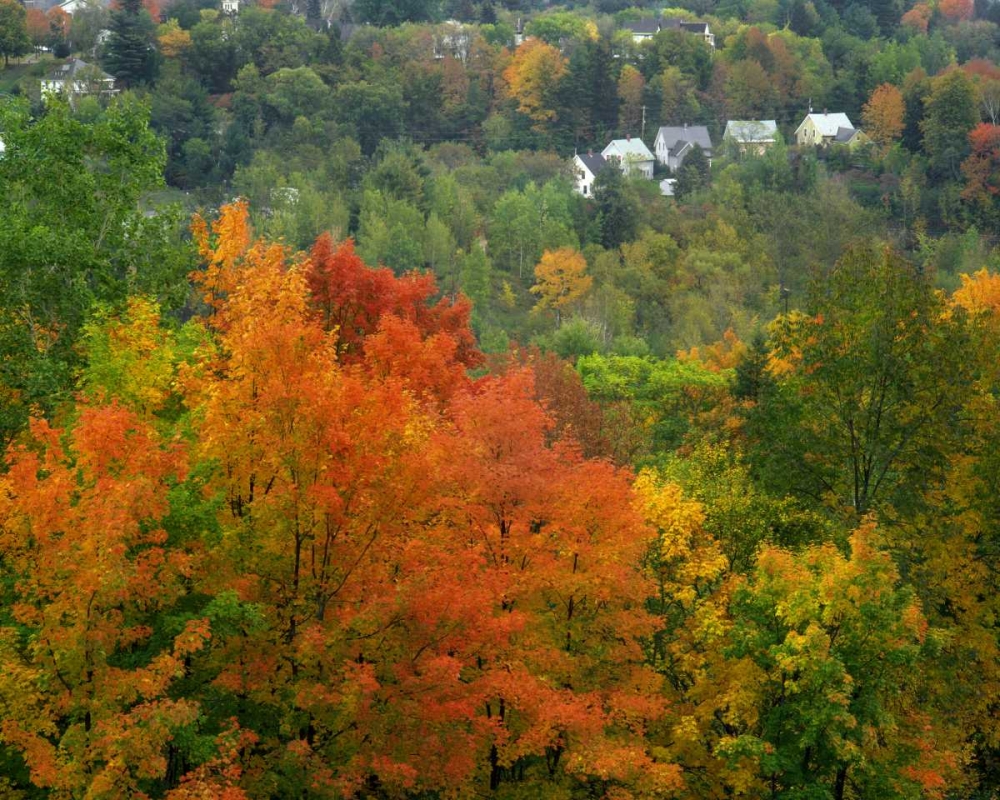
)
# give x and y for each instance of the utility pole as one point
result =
(642, 134)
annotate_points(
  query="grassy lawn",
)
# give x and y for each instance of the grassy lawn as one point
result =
(16, 73)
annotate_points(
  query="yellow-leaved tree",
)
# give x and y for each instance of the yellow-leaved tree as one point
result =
(532, 77)
(562, 279)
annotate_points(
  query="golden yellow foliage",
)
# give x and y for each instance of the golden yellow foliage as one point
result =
(562, 278)
(979, 293)
(173, 39)
(532, 77)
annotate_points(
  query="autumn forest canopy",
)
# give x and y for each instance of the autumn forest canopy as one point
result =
(353, 450)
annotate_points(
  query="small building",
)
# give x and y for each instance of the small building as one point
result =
(586, 167)
(821, 129)
(851, 138)
(673, 143)
(72, 6)
(77, 78)
(631, 155)
(698, 28)
(752, 136)
(643, 30)
(230, 7)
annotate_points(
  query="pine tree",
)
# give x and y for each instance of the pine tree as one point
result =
(130, 56)
(693, 174)
(314, 13)
(616, 207)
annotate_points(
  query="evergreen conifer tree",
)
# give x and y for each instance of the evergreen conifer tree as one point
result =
(693, 174)
(130, 56)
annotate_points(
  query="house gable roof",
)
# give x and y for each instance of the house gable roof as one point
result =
(827, 124)
(681, 24)
(674, 137)
(649, 25)
(845, 135)
(72, 68)
(625, 148)
(594, 162)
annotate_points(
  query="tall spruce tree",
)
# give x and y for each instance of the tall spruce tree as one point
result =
(130, 56)
(314, 14)
(693, 174)
(617, 207)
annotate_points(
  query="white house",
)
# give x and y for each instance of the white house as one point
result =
(585, 169)
(631, 155)
(77, 78)
(698, 28)
(821, 129)
(643, 30)
(72, 6)
(673, 143)
(750, 135)
(231, 7)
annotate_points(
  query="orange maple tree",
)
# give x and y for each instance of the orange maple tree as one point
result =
(883, 114)
(982, 179)
(918, 17)
(86, 686)
(956, 10)
(447, 595)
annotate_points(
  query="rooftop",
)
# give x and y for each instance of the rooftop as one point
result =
(827, 124)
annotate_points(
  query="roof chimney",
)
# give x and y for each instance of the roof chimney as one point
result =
(590, 153)
(824, 112)
(628, 137)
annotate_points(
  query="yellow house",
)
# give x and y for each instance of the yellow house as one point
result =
(821, 129)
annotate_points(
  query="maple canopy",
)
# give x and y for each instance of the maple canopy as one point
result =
(294, 548)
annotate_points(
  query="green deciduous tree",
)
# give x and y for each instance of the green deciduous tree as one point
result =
(74, 234)
(951, 112)
(863, 415)
(14, 39)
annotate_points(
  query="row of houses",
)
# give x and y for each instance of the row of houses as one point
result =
(673, 144)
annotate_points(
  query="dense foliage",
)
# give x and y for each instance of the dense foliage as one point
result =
(351, 453)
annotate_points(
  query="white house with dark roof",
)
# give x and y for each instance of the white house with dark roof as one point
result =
(77, 78)
(673, 143)
(631, 155)
(821, 129)
(586, 167)
(643, 30)
(750, 135)
(698, 28)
